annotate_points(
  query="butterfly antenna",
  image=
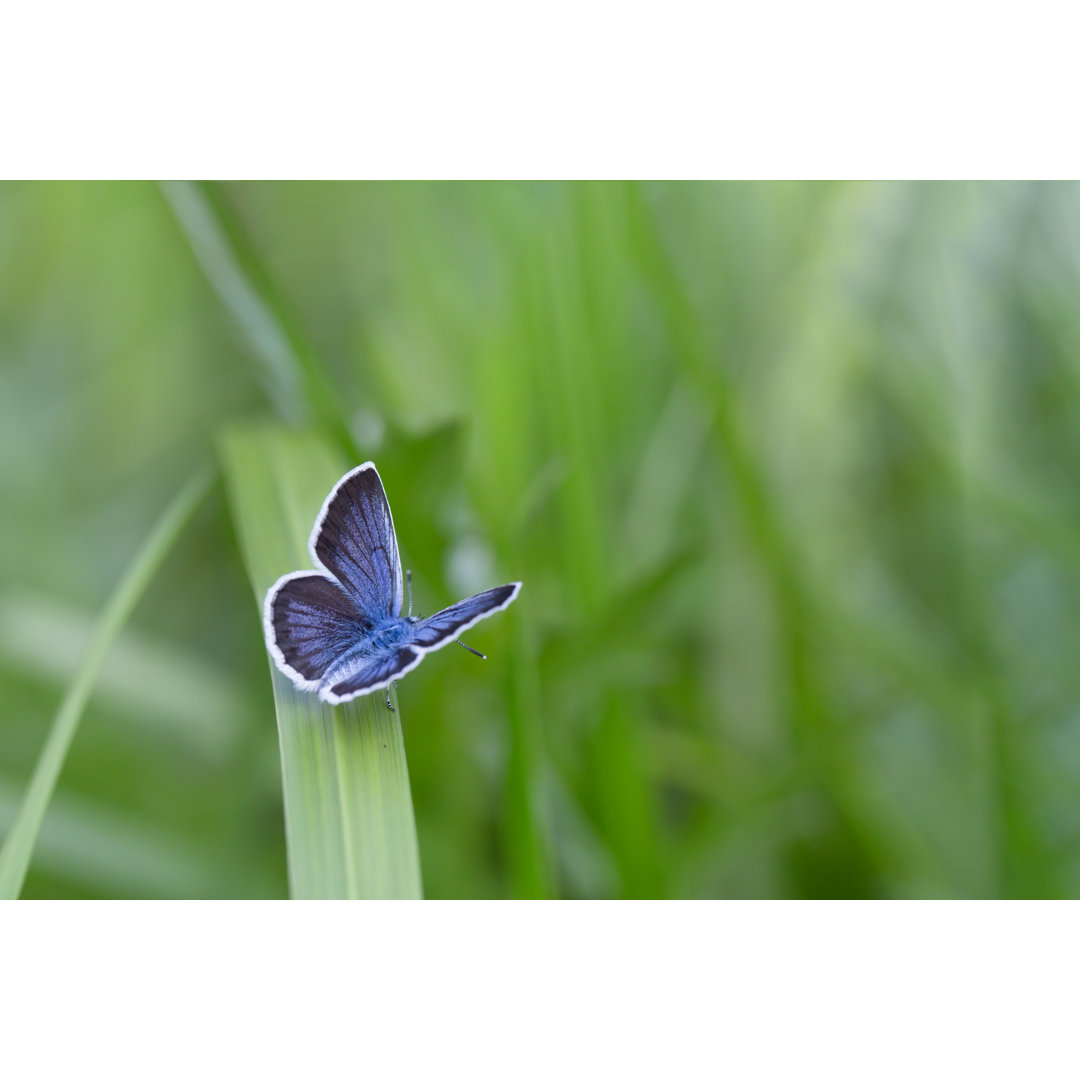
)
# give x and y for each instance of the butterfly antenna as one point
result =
(472, 650)
(408, 578)
(388, 705)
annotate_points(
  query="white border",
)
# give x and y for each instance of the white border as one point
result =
(842, 89)
(312, 685)
(747, 990)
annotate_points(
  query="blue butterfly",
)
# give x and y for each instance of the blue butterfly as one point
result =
(338, 630)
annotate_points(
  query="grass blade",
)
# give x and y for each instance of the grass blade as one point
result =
(350, 830)
(96, 848)
(152, 683)
(290, 374)
(19, 843)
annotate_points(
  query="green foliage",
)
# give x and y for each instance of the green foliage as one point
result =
(20, 838)
(348, 814)
(786, 470)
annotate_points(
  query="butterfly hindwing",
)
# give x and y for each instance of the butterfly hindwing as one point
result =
(309, 621)
(371, 674)
(354, 540)
(447, 625)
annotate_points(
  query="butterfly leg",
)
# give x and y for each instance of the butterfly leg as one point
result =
(388, 705)
(408, 578)
(471, 649)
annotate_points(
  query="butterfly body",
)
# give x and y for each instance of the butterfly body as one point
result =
(373, 644)
(338, 630)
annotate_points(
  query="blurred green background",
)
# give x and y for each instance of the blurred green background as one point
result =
(788, 471)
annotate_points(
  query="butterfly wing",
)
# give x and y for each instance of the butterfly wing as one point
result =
(449, 624)
(354, 541)
(430, 634)
(309, 622)
(313, 619)
(368, 675)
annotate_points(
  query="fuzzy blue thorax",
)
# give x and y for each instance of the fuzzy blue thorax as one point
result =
(377, 642)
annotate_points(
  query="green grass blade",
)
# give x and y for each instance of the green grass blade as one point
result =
(153, 684)
(529, 828)
(92, 846)
(349, 825)
(19, 843)
(291, 376)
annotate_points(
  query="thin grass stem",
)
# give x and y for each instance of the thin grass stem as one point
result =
(18, 847)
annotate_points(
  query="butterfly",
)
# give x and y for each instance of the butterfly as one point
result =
(338, 630)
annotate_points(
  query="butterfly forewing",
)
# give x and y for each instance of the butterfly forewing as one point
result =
(446, 625)
(354, 540)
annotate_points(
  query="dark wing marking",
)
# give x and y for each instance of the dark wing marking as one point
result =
(354, 540)
(309, 622)
(450, 623)
(371, 674)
